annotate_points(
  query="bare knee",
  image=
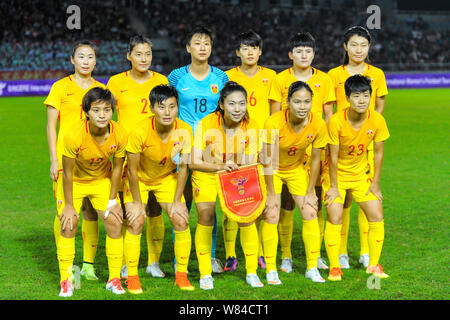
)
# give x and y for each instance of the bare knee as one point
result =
(137, 225)
(178, 223)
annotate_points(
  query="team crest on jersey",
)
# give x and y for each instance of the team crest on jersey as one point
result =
(317, 85)
(59, 204)
(370, 133)
(113, 147)
(309, 137)
(265, 82)
(215, 88)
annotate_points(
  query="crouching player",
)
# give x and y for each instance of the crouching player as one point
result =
(87, 172)
(152, 145)
(351, 131)
(297, 128)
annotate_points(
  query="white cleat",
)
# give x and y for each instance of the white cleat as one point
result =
(207, 283)
(344, 261)
(286, 265)
(66, 289)
(272, 278)
(364, 260)
(115, 286)
(321, 264)
(155, 270)
(124, 272)
(314, 275)
(253, 280)
(216, 265)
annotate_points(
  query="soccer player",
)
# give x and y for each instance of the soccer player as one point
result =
(198, 85)
(291, 132)
(302, 50)
(256, 80)
(64, 106)
(223, 140)
(351, 131)
(152, 145)
(132, 89)
(87, 172)
(356, 46)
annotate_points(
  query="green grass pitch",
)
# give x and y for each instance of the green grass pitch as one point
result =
(415, 185)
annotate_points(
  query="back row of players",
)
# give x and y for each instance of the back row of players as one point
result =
(299, 102)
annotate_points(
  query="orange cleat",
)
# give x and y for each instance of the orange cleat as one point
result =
(134, 284)
(335, 274)
(377, 271)
(182, 281)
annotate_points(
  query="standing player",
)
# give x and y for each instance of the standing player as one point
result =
(64, 105)
(223, 140)
(151, 149)
(198, 85)
(356, 45)
(256, 80)
(298, 128)
(87, 172)
(132, 89)
(302, 50)
(351, 131)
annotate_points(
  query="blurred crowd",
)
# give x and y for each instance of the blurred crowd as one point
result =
(34, 35)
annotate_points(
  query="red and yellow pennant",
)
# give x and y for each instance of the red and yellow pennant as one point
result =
(242, 193)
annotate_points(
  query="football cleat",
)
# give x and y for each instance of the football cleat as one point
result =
(314, 275)
(230, 264)
(66, 289)
(344, 261)
(377, 271)
(216, 265)
(88, 272)
(155, 270)
(335, 274)
(286, 265)
(272, 278)
(182, 281)
(321, 264)
(253, 280)
(364, 260)
(207, 282)
(115, 286)
(134, 284)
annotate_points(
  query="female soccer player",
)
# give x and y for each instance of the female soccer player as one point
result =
(256, 80)
(152, 145)
(131, 90)
(356, 47)
(351, 131)
(64, 105)
(214, 150)
(199, 85)
(302, 51)
(87, 172)
(298, 128)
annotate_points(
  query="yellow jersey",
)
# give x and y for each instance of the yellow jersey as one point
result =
(210, 135)
(320, 83)
(258, 88)
(353, 144)
(291, 145)
(340, 74)
(156, 156)
(66, 96)
(93, 161)
(133, 104)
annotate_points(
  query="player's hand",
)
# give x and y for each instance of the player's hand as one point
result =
(134, 211)
(180, 209)
(311, 200)
(375, 189)
(229, 166)
(114, 212)
(68, 216)
(54, 170)
(331, 195)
